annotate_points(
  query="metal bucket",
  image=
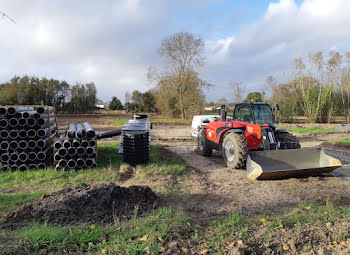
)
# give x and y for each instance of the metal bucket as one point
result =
(278, 164)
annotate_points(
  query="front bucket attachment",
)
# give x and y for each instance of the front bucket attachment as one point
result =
(278, 164)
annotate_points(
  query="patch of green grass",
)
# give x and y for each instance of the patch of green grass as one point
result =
(129, 237)
(9, 202)
(119, 122)
(224, 229)
(109, 162)
(345, 141)
(161, 166)
(312, 130)
(274, 224)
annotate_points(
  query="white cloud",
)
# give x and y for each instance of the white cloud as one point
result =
(113, 42)
(268, 46)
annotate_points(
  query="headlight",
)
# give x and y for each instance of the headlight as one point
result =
(229, 124)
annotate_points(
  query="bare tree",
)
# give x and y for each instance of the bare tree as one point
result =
(183, 53)
(333, 69)
(4, 15)
(270, 86)
(237, 90)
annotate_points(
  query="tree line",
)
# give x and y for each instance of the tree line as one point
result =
(31, 90)
(320, 89)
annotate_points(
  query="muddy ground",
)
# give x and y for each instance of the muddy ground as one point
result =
(90, 204)
(214, 189)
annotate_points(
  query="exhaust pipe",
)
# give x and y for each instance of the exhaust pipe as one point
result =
(13, 122)
(3, 123)
(90, 133)
(22, 145)
(81, 133)
(72, 129)
(23, 157)
(31, 144)
(13, 134)
(72, 164)
(4, 145)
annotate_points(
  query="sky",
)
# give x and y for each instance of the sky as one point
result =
(112, 43)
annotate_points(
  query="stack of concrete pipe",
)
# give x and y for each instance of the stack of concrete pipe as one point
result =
(26, 135)
(76, 149)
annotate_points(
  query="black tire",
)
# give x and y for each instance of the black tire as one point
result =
(203, 146)
(287, 141)
(235, 150)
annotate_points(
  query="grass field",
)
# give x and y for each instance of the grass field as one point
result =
(166, 229)
(311, 130)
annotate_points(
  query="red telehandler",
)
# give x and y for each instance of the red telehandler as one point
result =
(250, 140)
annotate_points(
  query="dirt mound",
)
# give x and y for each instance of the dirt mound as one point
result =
(94, 203)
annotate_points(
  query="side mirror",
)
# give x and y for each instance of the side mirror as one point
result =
(277, 107)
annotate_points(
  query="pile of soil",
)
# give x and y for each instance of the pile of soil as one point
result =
(91, 204)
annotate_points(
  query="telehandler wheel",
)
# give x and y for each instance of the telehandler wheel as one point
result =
(287, 141)
(203, 147)
(235, 150)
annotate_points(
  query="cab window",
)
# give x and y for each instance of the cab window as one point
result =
(243, 114)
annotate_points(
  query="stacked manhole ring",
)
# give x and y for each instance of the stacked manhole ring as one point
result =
(76, 149)
(26, 135)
